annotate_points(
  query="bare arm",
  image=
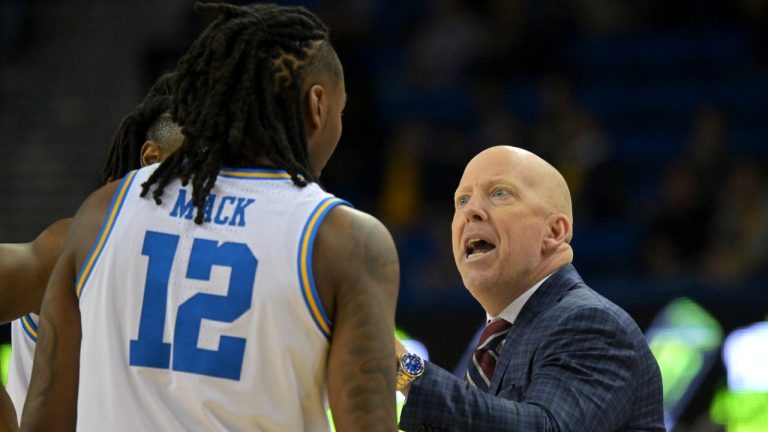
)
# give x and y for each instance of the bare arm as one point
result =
(51, 403)
(25, 269)
(357, 274)
(52, 399)
(7, 412)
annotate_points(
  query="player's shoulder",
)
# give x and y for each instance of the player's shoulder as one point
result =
(355, 235)
(354, 255)
(347, 222)
(341, 217)
(99, 200)
(52, 238)
(90, 215)
(57, 228)
(96, 202)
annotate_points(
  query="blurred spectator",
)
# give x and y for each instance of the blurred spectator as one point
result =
(739, 246)
(496, 124)
(443, 46)
(499, 127)
(506, 56)
(449, 149)
(680, 229)
(436, 276)
(708, 146)
(400, 200)
(677, 233)
(569, 136)
(557, 109)
(604, 16)
(756, 14)
(14, 18)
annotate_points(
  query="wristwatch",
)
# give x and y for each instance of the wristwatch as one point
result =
(409, 367)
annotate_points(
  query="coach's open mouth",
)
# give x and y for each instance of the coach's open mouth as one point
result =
(475, 247)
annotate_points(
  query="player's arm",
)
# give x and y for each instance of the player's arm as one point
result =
(357, 275)
(51, 403)
(7, 412)
(25, 269)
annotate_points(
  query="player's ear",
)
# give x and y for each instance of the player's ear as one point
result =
(316, 110)
(150, 153)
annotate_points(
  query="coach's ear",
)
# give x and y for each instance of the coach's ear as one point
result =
(150, 153)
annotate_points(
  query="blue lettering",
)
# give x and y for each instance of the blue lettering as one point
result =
(183, 208)
(238, 218)
(208, 208)
(223, 220)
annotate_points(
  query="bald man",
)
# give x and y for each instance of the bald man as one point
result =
(555, 355)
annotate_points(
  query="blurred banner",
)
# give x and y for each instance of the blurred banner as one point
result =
(686, 340)
(743, 405)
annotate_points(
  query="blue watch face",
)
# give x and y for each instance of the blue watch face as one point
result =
(412, 364)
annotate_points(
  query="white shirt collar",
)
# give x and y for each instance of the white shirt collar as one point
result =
(512, 310)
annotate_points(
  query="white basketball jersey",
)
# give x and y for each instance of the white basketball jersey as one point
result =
(23, 342)
(206, 327)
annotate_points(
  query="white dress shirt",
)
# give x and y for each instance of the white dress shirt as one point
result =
(511, 312)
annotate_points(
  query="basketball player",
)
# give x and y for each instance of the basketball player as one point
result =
(239, 292)
(145, 136)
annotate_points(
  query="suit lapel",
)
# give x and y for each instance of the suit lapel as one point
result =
(549, 293)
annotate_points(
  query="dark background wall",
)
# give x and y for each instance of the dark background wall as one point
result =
(655, 111)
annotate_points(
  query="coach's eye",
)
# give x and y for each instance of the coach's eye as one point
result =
(462, 201)
(500, 193)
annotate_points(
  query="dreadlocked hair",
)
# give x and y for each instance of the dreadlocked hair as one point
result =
(125, 151)
(237, 95)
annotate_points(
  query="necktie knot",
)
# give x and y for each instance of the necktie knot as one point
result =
(493, 333)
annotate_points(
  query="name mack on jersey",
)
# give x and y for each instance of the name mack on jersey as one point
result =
(221, 210)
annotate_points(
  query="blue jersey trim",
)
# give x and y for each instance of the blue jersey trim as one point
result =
(106, 229)
(29, 326)
(306, 278)
(254, 174)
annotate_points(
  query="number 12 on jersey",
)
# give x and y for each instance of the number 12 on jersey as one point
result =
(149, 350)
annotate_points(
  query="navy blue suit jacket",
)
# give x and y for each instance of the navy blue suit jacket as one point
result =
(573, 361)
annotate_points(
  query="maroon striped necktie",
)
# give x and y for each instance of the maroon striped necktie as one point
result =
(483, 362)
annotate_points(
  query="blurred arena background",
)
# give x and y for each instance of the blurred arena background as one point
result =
(654, 110)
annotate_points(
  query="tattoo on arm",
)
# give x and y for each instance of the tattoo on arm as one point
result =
(45, 361)
(367, 306)
(51, 403)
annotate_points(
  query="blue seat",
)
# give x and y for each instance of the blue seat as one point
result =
(608, 246)
(655, 48)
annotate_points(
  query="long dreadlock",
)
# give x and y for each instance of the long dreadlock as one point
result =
(238, 96)
(134, 129)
